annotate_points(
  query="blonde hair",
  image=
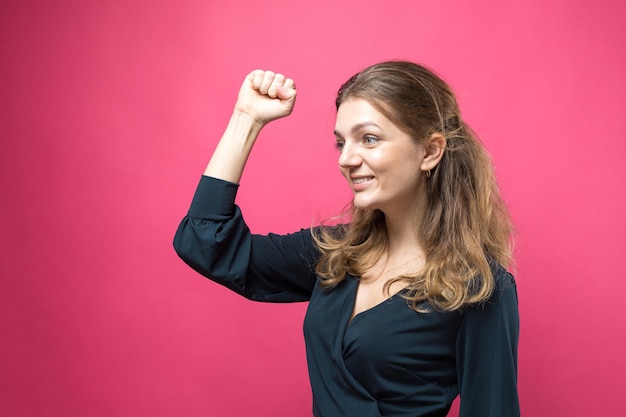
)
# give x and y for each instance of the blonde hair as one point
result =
(466, 230)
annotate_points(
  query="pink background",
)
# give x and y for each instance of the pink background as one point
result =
(110, 110)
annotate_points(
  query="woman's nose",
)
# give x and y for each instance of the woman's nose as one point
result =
(349, 157)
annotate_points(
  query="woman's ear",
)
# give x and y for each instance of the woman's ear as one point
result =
(434, 147)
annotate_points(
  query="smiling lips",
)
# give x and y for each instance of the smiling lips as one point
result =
(360, 183)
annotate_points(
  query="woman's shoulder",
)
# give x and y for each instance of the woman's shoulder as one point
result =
(503, 279)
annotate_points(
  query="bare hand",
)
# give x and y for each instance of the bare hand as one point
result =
(265, 96)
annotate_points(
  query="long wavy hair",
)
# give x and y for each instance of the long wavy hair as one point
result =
(465, 232)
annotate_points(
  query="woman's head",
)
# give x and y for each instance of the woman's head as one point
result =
(416, 103)
(424, 106)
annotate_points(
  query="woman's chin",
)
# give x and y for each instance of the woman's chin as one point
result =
(364, 205)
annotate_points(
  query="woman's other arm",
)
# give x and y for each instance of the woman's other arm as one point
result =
(487, 354)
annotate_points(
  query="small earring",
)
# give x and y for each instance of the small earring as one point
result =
(428, 174)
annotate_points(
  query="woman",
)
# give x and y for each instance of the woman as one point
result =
(409, 302)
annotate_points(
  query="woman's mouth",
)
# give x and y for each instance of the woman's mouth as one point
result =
(361, 183)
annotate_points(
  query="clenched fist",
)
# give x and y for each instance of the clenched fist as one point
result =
(265, 96)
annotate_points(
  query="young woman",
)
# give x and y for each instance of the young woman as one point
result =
(410, 303)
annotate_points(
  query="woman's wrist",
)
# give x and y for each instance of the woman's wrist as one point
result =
(244, 119)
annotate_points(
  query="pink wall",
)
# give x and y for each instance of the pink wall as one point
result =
(110, 110)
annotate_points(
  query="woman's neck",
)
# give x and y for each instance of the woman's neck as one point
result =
(402, 225)
(403, 239)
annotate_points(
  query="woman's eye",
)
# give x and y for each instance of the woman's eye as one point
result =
(339, 145)
(370, 140)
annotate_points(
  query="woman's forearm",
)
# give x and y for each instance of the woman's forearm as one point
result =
(231, 153)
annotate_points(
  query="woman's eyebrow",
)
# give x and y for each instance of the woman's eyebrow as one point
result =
(356, 128)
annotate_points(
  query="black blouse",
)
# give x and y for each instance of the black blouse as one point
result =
(389, 360)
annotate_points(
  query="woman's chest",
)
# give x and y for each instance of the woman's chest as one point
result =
(385, 343)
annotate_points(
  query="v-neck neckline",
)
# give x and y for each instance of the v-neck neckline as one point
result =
(359, 315)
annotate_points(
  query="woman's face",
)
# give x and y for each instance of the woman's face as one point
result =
(380, 161)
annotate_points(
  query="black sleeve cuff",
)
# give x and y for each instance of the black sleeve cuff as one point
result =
(214, 199)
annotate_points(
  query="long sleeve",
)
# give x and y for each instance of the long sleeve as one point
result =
(214, 240)
(487, 354)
